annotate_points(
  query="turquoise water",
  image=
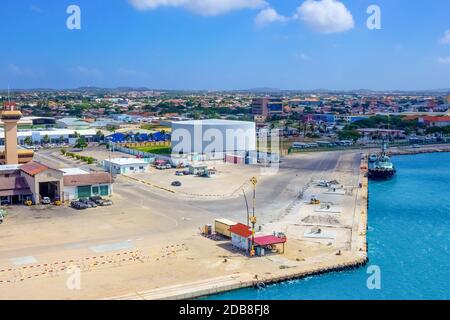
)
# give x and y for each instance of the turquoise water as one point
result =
(409, 239)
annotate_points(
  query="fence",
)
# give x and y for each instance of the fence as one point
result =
(368, 146)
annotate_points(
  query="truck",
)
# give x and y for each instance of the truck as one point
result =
(222, 227)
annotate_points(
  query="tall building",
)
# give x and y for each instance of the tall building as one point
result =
(275, 106)
(10, 116)
(267, 106)
(260, 107)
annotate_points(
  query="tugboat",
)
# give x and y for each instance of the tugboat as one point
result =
(382, 168)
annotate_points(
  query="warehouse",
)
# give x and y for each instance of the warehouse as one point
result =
(53, 136)
(79, 184)
(125, 165)
(215, 139)
(43, 181)
(13, 187)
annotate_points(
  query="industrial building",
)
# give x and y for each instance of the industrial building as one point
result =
(53, 136)
(35, 181)
(80, 184)
(125, 165)
(267, 106)
(215, 139)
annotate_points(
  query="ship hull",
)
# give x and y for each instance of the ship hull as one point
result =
(378, 174)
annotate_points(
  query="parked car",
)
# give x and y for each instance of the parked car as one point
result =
(89, 203)
(176, 184)
(96, 199)
(105, 203)
(100, 201)
(179, 173)
(4, 203)
(46, 201)
(78, 205)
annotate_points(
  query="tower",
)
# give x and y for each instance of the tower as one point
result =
(10, 116)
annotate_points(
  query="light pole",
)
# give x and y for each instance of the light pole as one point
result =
(111, 146)
(254, 181)
(246, 204)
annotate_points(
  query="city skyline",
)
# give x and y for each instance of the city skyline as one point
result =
(226, 45)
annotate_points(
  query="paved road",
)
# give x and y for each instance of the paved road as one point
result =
(275, 194)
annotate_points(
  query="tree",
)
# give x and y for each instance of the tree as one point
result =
(349, 135)
(100, 135)
(28, 141)
(81, 143)
(46, 139)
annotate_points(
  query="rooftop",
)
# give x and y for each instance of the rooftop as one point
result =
(73, 171)
(14, 186)
(241, 230)
(126, 161)
(33, 168)
(87, 179)
(268, 240)
(214, 122)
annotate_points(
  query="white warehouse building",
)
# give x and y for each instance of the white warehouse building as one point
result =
(125, 165)
(232, 141)
(54, 136)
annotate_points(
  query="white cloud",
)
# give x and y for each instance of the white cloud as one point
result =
(444, 60)
(446, 38)
(326, 16)
(269, 15)
(202, 7)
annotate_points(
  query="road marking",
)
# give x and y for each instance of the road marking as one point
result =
(112, 247)
(19, 261)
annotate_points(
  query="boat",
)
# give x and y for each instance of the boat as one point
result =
(382, 168)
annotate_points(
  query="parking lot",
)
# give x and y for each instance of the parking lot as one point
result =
(228, 181)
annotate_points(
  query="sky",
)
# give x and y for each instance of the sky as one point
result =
(225, 44)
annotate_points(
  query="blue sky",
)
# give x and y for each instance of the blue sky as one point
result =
(202, 44)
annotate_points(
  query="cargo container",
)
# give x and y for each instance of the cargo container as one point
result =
(222, 227)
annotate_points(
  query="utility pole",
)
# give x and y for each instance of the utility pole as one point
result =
(246, 204)
(254, 181)
(110, 168)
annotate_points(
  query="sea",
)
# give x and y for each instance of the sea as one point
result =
(408, 237)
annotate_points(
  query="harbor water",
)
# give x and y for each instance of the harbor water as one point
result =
(409, 241)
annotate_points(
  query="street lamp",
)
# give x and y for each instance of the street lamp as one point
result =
(254, 181)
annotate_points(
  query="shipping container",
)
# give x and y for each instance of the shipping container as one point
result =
(222, 227)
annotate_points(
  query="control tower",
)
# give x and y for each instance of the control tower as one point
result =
(10, 117)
